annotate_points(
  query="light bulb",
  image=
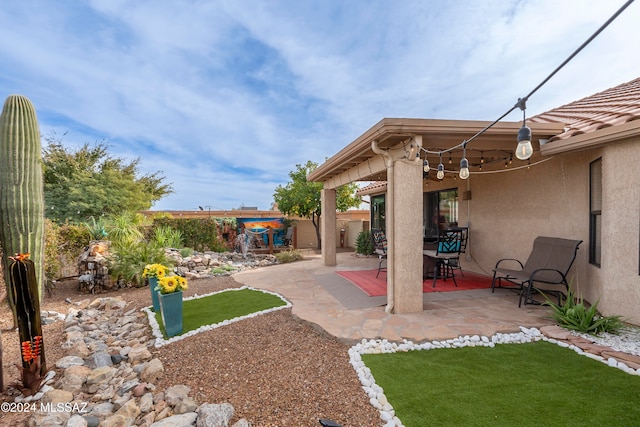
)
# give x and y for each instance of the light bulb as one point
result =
(524, 149)
(425, 166)
(440, 173)
(464, 168)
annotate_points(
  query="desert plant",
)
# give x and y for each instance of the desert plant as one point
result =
(124, 227)
(167, 237)
(288, 256)
(128, 260)
(21, 188)
(97, 228)
(575, 315)
(364, 243)
(22, 279)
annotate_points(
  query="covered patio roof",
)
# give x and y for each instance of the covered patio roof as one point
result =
(358, 162)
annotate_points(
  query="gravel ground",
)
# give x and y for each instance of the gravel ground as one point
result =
(276, 370)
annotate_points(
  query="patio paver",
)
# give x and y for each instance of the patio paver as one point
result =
(446, 314)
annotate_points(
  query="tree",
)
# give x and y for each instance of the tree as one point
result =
(86, 182)
(302, 198)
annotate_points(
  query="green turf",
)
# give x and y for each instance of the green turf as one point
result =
(222, 306)
(533, 384)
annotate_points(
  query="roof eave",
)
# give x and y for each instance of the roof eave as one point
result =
(593, 139)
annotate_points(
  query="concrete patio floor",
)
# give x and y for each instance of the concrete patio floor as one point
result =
(322, 297)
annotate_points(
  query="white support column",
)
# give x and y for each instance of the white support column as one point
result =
(328, 226)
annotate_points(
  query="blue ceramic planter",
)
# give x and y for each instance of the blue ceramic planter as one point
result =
(171, 308)
(153, 282)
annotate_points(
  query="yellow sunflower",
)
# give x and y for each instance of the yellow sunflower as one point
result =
(168, 284)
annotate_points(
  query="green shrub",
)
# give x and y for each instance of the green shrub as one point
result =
(288, 256)
(129, 258)
(575, 315)
(364, 243)
(167, 237)
(52, 244)
(197, 233)
(97, 228)
(186, 252)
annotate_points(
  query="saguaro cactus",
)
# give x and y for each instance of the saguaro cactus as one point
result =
(21, 188)
(25, 298)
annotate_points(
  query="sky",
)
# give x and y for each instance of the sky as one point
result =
(225, 98)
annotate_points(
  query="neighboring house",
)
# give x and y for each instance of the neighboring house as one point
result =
(580, 183)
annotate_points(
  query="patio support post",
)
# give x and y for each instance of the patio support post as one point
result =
(403, 223)
(407, 234)
(328, 226)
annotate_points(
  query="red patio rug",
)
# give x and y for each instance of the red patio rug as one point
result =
(366, 280)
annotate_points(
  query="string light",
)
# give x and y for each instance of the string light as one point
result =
(464, 163)
(524, 134)
(440, 173)
(425, 165)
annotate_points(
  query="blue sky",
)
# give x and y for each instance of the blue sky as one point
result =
(226, 97)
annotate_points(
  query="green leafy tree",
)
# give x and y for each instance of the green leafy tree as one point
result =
(88, 181)
(302, 198)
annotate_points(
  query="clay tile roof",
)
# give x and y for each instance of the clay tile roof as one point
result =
(371, 188)
(611, 107)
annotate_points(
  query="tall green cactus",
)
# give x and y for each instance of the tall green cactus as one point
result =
(21, 188)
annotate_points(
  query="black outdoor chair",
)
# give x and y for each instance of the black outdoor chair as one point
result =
(446, 255)
(548, 264)
(380, 248)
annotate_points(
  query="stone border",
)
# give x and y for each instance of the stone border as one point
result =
(157, 333)
(376, 394)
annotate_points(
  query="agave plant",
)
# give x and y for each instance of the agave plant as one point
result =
(575, 315)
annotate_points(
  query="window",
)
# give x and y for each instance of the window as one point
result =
(377, 212)
(595, 211)
(440, 210)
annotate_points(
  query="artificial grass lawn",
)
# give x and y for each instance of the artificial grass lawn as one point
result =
(532, 384)
(222, 306)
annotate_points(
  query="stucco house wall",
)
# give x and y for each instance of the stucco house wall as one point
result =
(617, 281)
(508, 210)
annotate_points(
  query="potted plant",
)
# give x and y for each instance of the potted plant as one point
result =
(170, 295)
(153, 273)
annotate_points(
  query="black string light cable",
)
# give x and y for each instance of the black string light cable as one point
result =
(522, 101)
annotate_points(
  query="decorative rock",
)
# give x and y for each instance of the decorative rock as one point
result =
(214, 415)
(101, 375)
(98, 360)
(176, 393)
(153, 371)
(147, 420)
(77, 421)
(185, 405)
(116, 421)
(79, 348)
(242, 422)
(138, 355)
(139, 389)
(102, 410)
(92, 421)
(182, 420)
(68, 361)
(57, 396)
(146, 403)
(129, 410)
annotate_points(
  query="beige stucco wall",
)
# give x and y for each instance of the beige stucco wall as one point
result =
(617, 281)
(507, 211)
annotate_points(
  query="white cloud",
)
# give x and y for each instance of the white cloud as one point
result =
(227, 97)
